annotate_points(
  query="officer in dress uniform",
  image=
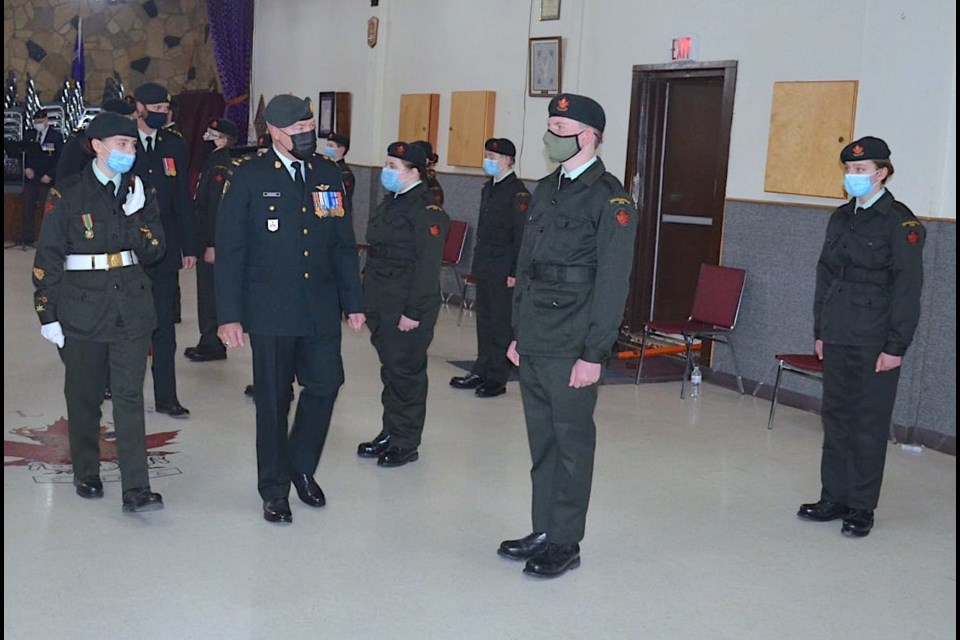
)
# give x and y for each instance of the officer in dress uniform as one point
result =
(865, 311)
(40, 170)
(401, 285)
(336, 148)
(222, 135)
(162, 162)
(94, 302)
(287, 269)
(77, 152)
(504, 201)
(433, 185)
(573, 275)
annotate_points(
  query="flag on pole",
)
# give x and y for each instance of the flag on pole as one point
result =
(77, 70)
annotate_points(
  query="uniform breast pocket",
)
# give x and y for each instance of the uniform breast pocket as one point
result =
(874, 252)
(567, 239)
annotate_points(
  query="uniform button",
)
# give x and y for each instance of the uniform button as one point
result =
(116, 286)
(306, 275)
(306, 231)
(306, 254)
(304, 209)
(271, 208)
(553, 202)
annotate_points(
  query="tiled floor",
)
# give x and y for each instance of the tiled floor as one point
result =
(691, 532)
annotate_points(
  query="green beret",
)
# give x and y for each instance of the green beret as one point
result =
(284, 110)
(224, 126)
(579, 108)
(151, 93)
(108, 124)
(408, 151)
(502, 146)
(867, 148)
(122, 107)
(339, 139)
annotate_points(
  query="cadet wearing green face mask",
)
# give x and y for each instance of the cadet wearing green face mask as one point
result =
(573, 275)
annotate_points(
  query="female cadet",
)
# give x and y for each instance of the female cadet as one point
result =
(402, 299)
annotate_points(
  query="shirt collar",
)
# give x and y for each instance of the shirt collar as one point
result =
(576, 173)
(103, 179)
(872, 201)
(503, 177)
(287, 162)
(400, 193)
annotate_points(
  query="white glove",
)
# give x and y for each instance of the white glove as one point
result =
(53, 332)
(135, 198)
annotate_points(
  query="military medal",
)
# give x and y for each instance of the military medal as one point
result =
(328, 204)
(87, 225)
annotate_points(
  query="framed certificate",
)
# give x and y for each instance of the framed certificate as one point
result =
(545, 66)
(549, 10)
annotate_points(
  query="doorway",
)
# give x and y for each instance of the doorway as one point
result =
(676, 170)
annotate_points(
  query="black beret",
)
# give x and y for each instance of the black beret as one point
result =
(224, 126)
(339, 139)
(122, 107)
(579, 108)
(108, 124)
(867, 148)
(151, 93)
(409, 151)
(264, 141)
(427, 149)
(502, 146)
(284, 110)
(39, 114)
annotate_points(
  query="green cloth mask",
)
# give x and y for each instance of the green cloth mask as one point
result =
(561, 148)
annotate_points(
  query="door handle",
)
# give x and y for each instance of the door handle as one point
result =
(702, 221)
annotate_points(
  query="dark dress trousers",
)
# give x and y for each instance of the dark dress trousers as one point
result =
(206, 203)
(107, 315)
(867, 301)
(165, 169)
(402, 277)
(42, 156)
(573, 274)
(287, 269)
(503, 208)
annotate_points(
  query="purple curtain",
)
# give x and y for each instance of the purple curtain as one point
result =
(231, 34)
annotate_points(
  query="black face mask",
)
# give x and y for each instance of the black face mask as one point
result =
(304, 144)
(155, 119)
(209, 146)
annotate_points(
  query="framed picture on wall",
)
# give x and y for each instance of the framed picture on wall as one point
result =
(545, 66)
(326, 112)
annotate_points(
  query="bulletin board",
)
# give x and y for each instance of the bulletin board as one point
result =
(810, 122)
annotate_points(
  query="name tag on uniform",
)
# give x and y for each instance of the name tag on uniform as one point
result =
(49, 147)
(271, 194)
(273, 224)
(328, 204)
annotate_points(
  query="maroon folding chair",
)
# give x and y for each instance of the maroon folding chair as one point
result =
(453, 251)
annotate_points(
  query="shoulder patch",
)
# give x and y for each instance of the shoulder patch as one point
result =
(435, 230)
(908, 223)
(620, 201)
(622, 218)
(913, 237)
(433, 207)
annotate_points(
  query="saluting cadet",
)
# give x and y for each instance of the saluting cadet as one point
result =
(401, 285)
(95, 304)
(222, 135)
(287, 269)
(162, 163)
(504, 201)
(77, 152)
(865, 312)
(573, 275)
(336, 148)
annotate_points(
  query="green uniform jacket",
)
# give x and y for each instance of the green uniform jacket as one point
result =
(207, 201)
(88, 303)
(573, 273)
(503, 209)
(402, 273)
(869, 277)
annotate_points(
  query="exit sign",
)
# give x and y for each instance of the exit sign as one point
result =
(682, 48)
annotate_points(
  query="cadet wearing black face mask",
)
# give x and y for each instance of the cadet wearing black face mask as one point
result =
(287, 269)
(162, 162)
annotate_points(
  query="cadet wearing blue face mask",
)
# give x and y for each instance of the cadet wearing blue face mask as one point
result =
(401, 287)
(865, 312)
(337, 147)
(93, 299)
(504, 201)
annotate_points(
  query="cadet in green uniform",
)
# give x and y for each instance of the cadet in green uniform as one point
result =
(222, 134)
(336, 148)
(865, 312)
(503, 206)
(573, 275)
(287, 270)
(430, 176)
(95, 303)
(77, 153)
(401, 285)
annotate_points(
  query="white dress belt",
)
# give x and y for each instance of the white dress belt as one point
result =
(100, 261)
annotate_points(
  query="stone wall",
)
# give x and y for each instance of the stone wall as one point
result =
(165, 41)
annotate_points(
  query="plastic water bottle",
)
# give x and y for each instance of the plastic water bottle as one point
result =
(696, 377)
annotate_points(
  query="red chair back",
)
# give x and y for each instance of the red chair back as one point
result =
(719, 291)
(454, 242)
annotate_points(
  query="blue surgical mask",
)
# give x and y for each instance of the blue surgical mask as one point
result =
(155, 119)
(858, 184)
(390, 179)
(330, 152)
(120, 162)
(490, 167)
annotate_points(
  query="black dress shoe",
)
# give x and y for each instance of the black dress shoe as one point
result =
(89, 488)
(524, 548)
(107, 394)
(822, 511)
(490, 390)
(470, 381)
(173, 409)
(555, 561)
(374, 448)
(248, 391)
(397, 456)
(141, 499)
(857, 523)
(189, 351)
(277, 510)
(206, 355)
(309, 491)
